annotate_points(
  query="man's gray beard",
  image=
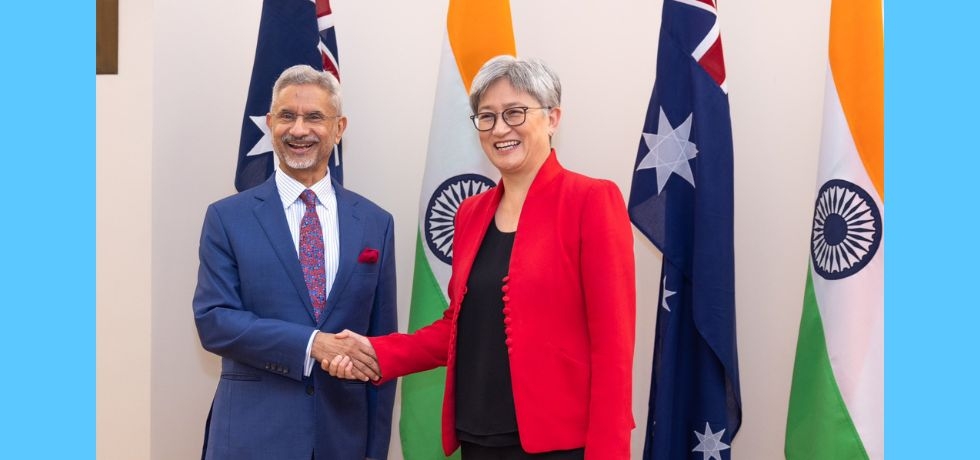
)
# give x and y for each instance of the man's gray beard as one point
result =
(298, 164)
(293, 163)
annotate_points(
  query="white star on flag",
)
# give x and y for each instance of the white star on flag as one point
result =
(264, 145)
(665, 293)
(710, 444)
(670, 151)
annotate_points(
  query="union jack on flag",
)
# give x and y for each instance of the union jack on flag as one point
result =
(290, 32)
(681, 199)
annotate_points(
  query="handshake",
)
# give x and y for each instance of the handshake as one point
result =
(346, 355)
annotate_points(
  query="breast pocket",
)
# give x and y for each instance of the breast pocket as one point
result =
(368, 268)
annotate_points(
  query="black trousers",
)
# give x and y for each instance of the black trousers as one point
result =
(472, 451)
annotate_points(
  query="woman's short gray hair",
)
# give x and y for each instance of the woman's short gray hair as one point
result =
(303, 74)
(531, 76)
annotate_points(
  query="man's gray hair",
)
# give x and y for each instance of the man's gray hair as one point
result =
(531, 76)
(303, 74)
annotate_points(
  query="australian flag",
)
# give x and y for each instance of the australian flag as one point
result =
(290, 32)
(681, 199)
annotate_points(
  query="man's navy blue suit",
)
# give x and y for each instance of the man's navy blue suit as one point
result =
(253, 309)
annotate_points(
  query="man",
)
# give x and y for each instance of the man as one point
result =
(281, 265)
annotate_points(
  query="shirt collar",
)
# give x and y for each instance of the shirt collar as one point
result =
(290, 189)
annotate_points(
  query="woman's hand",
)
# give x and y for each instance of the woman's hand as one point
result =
(345, 366)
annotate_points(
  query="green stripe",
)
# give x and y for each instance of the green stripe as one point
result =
(819, 425)
(421, 418)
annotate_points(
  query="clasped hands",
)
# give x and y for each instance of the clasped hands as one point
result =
(346, 355)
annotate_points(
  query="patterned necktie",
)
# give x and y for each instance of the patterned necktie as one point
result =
(311, 254)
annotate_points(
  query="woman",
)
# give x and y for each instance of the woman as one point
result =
(538, 337)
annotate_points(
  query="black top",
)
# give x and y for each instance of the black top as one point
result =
(484, 398)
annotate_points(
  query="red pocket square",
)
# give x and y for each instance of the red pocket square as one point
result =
(368, 256)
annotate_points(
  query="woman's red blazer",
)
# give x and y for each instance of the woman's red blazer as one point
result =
(569, 309)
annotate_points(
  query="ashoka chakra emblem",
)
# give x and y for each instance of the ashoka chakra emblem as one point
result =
(846, 230)
(441, 211)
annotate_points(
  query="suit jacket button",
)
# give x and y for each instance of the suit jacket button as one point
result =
(508, 342)
(506, 298)
(309, 389)
(505, 288)
(285, 370)
(507, 331)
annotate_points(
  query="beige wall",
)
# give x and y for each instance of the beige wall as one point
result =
(168, 130)
(124, 122)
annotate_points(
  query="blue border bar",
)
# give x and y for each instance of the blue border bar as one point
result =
(47, 249)
(932, 325)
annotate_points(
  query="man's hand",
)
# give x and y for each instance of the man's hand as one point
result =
(361, 362)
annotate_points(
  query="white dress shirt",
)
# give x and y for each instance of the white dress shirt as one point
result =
(326, 209)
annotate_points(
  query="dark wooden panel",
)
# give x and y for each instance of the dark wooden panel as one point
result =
(107, 36)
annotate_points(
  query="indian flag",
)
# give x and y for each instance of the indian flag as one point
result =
(836, 405)
(455, 169)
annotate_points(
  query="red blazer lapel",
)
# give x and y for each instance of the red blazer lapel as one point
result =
(472, 219)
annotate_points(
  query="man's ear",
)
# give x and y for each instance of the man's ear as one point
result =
(341, 126)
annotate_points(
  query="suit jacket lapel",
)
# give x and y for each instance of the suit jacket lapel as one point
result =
(271, 217)
(351, 228)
